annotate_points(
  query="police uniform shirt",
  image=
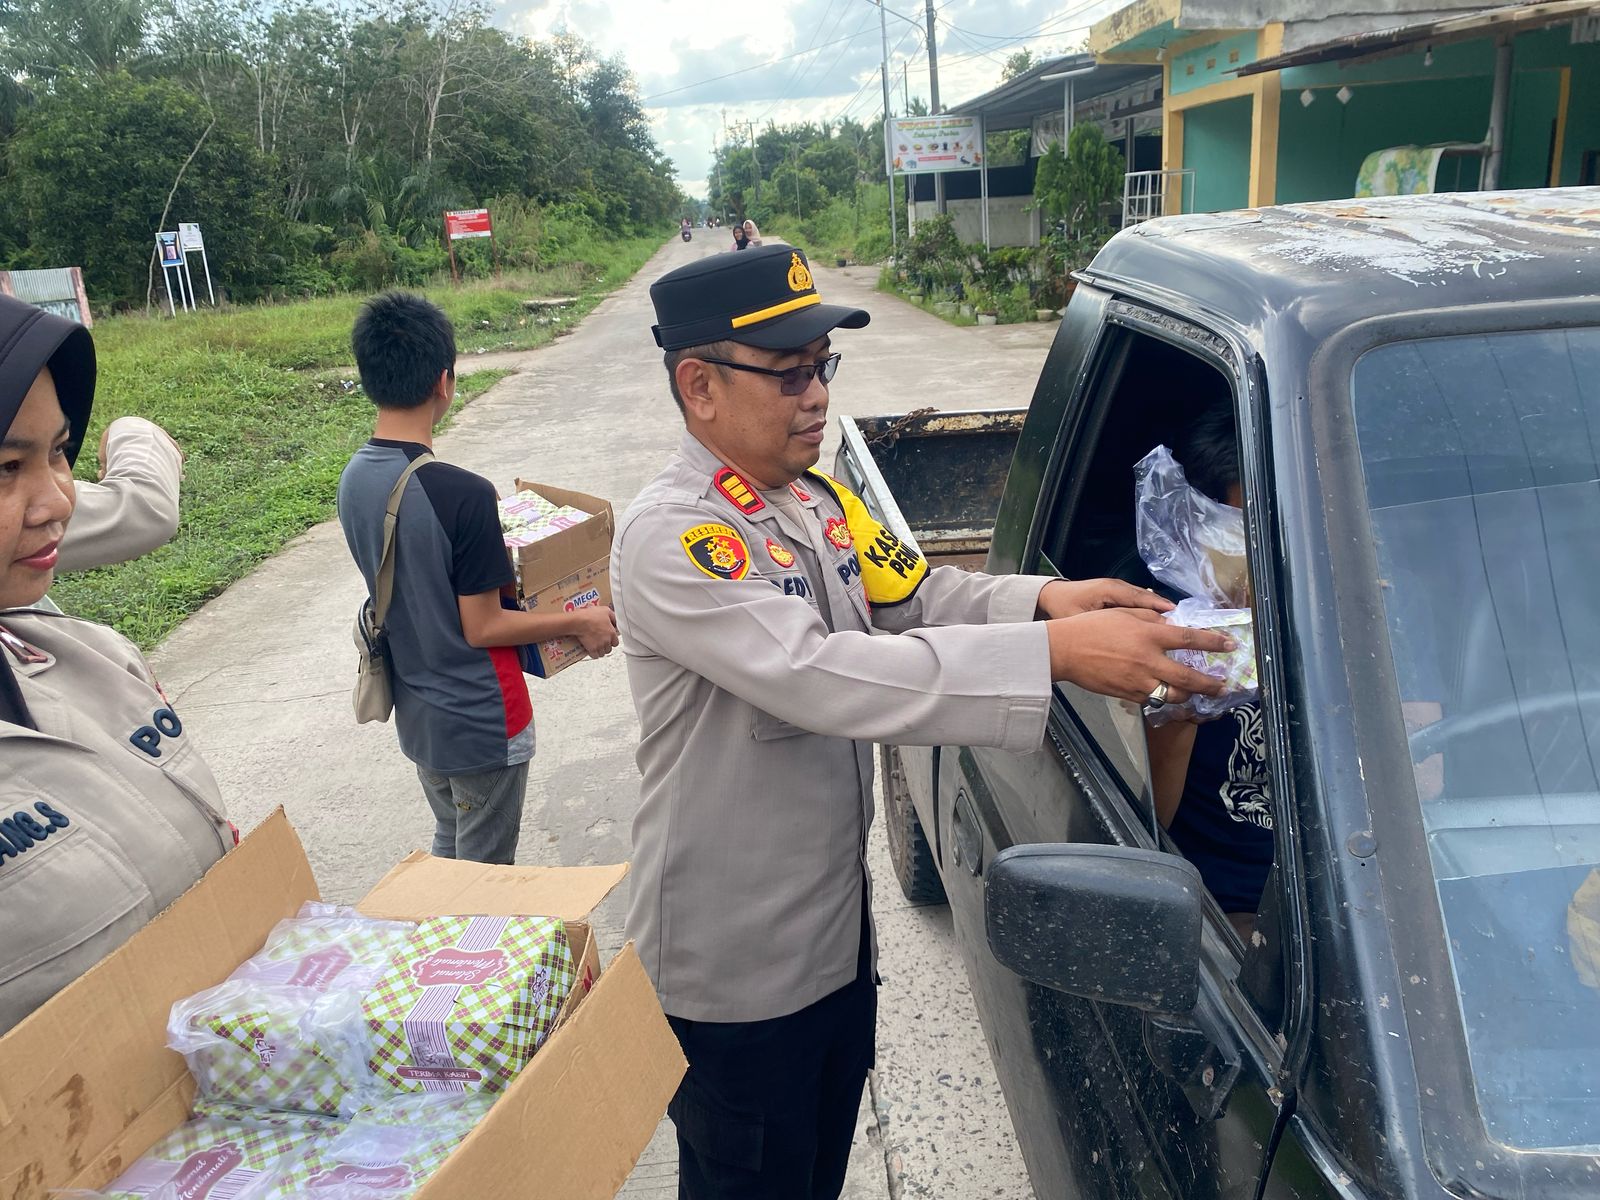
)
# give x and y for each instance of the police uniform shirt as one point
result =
(749, 628)
(133, 509)
(108, 813)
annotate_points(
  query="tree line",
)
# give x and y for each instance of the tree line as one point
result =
(315, 145)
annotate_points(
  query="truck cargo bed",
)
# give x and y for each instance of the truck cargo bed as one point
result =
(935, 478)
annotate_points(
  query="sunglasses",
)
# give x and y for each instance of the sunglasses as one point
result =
(792, 381)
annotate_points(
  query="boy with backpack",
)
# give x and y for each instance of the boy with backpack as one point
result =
(461, 705)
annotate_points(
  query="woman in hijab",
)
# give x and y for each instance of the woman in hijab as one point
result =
(740, 241)
(752, 234)
(109, 813)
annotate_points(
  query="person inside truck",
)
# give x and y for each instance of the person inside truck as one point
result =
(1210, 777)
(109, 813)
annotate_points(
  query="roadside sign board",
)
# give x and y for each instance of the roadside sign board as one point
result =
(189, 237)
(57, 290)
(171, 256)
(468, 223)
(930, 145)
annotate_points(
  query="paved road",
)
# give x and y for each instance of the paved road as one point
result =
(262, 675)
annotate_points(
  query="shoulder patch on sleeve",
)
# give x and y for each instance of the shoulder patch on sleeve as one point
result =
(717, 551)
(891, 571)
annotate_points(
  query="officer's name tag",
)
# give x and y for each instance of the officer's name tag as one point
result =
(21, 831)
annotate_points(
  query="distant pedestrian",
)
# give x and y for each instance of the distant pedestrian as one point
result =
(741, 240)
(752, 234)
(461, 705)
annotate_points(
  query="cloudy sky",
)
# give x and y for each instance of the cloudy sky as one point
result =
(697, 62)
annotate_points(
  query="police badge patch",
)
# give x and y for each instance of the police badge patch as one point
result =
(717, 551)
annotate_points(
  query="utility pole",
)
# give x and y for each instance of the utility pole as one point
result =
(794, 158)
(716, 157)
(750, 131)
(934, 105)
(888, 159)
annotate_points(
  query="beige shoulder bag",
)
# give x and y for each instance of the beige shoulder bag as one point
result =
(374, 694)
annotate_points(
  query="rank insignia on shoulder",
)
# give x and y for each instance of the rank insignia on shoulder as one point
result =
(739, 493)
(717, 551)
(837, 532)
(779, 555)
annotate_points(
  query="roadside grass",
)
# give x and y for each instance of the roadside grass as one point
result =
(855, 229)
(910, 296)
(257, 399)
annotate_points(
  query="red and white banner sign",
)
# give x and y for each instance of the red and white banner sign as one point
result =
(468, 223)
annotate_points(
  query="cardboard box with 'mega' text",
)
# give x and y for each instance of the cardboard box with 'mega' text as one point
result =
(87, 1083)
(567, 570)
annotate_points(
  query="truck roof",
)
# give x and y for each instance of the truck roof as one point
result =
(1326, 265)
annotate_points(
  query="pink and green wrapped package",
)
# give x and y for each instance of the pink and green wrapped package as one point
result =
(216, 1159)
(262, 1036)
(385, 1153)
(466, 1003)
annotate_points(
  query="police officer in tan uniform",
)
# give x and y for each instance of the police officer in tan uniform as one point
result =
(749, 588)
(107, 812)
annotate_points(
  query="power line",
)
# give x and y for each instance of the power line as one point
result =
(840, 56)
(903, 36)
(797, 70)
(1043, 29)
(746, 70)
(976, 49)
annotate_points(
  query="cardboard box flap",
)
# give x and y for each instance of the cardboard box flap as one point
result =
(87, 1083)
(554, 558)
(422, 886)
(597, 1089)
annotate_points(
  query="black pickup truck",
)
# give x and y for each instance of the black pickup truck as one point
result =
(1414, 1010)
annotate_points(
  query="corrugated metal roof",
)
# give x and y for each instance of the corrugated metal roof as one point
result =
(1405, 38)
(51, 284)
(1015, 103)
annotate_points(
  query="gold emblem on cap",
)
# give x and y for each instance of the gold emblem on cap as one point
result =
(799, 274)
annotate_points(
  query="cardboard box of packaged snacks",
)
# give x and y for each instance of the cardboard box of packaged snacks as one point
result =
(88, 1085)
(567, 568)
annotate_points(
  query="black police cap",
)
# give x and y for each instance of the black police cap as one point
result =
(764, 297)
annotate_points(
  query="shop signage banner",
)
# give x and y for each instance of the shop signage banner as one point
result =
(922, 145)
(468, 223)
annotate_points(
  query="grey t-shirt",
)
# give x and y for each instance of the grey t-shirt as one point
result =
(458, 709)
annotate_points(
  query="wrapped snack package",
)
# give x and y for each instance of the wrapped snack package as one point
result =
(217, 1158)
(259, 1038)
(385, 1153)
(1194, 544)
(1237, 669)
(466, 1003)
(527, 517)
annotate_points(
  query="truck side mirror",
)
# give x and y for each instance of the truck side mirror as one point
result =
(1108, 923)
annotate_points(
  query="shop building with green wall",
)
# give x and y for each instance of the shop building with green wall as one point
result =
(1273, 111)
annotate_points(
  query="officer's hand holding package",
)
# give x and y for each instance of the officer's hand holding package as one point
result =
(107, 813)
(749, 587)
